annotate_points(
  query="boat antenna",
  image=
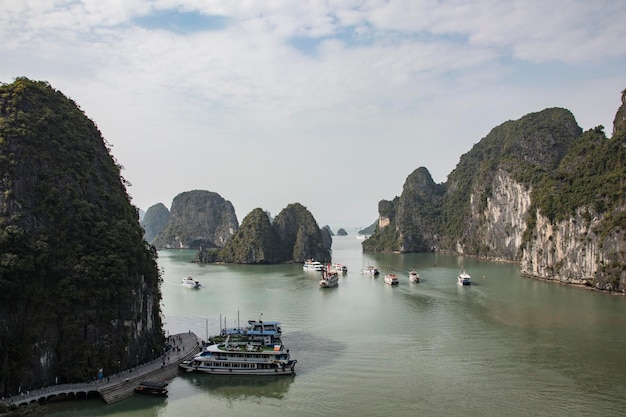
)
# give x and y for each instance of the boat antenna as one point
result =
(238, 319)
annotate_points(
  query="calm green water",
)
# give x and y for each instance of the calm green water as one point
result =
(505, 346)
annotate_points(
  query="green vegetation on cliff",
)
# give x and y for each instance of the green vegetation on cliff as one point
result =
(198, 218)
(255, 242)
(79, 286)
(527, 148)
(156, 219)
(592, 174)
(429, 215)
(293, 236)
(300, 236)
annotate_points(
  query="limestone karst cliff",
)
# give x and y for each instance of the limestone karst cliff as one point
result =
(256, 242)
(154, 221)
(198, 218)
(292, 236)
(300, 236)
(537, 190)
(79, 286)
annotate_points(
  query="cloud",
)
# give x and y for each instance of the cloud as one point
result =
(260, 101)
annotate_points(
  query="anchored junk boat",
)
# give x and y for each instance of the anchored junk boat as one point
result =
(329, 278)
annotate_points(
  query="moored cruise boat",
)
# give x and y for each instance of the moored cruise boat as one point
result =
(329, 278)
(190, 282)
(339, 268)
(312, 265)
(370, 270)
(464, 277)
(253, 350)
(414, 276)
(391, 278)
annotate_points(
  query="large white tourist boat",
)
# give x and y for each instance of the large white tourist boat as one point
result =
(312, 265)
(464, 277)
(254, 350)
(190, 282)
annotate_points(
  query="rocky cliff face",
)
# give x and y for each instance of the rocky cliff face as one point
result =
(505, 216)
(292, 236)
(588, 246)
(537, 191)
(565, 252)
(619, 123)
(300, 236)
(155, 221)
(256, 242)
(198, 218)
(409, 222)
(79, 287)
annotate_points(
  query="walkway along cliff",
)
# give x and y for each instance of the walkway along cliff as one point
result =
(121, 385)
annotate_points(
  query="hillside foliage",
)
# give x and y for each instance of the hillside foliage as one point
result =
(74, 267)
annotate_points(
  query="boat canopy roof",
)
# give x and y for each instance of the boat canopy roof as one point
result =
(257, 328)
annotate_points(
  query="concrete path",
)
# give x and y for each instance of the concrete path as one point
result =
(120, 386)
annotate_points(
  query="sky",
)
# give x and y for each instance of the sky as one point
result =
(331, 104)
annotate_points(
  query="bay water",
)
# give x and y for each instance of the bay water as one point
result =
(503, 346)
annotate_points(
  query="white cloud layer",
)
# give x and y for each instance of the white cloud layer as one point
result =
(328, 103)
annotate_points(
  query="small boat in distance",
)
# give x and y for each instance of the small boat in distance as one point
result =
(414, 276)
(391, 278)
(464, 277)
(339, 268)
(329, 278)
(312, 265)
(190, 282)
(370, 270)
(151, 388)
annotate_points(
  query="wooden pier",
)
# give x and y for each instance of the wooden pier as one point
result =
(120, 386)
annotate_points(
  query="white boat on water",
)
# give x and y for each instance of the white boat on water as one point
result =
(190, 282)
(414, 276)
(339, 268)
(370, 270)
(464, 277)
(255, 350)
(391, 278)
(312, 265)
(329, 278)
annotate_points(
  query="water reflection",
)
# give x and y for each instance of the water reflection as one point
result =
(238, 387)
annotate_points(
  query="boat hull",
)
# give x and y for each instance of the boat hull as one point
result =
(289, 369)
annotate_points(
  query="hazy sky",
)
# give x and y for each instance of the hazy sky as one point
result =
(331, 104)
